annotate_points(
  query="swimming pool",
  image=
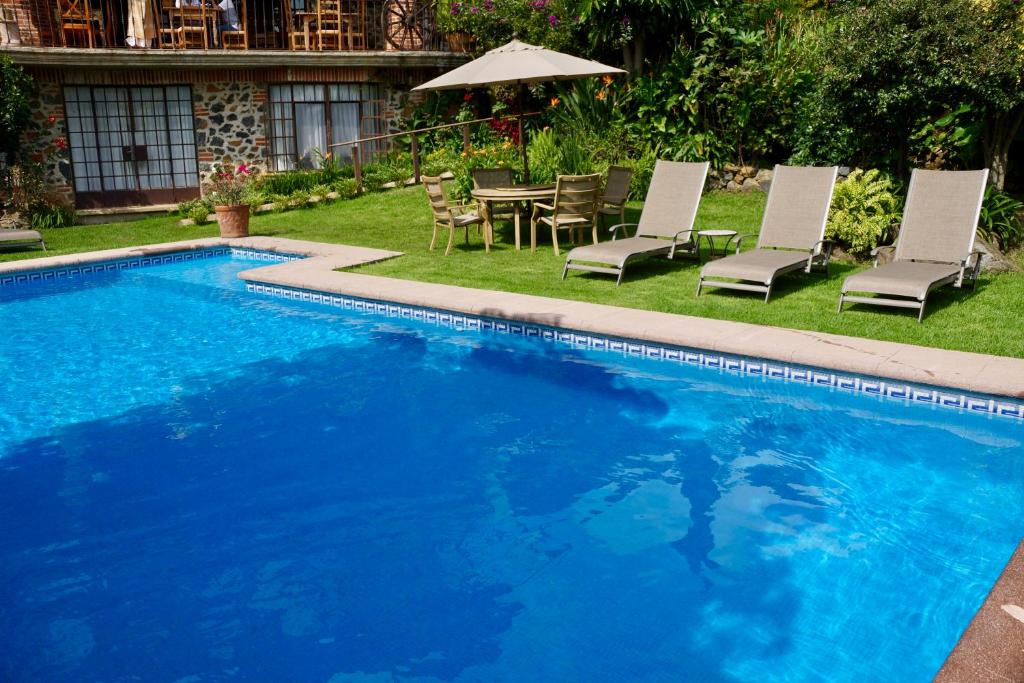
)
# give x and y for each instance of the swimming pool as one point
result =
(200, 483)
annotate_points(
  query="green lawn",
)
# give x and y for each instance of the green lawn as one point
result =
(988, 320)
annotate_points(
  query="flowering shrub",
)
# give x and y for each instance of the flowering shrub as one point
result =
(230, 186)
(495, 22)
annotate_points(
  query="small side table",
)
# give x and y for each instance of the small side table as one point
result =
(710, 236)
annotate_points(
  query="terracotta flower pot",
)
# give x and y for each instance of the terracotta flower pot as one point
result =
(233, 220)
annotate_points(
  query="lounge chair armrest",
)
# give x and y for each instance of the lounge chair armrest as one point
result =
(823, 247)
(738, 239)
(540, 205)
(614, 230)
(878, 251)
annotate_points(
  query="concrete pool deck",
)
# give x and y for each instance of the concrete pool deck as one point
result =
(992, 648)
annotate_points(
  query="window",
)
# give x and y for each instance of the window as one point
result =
(306, 118)
(135, 142)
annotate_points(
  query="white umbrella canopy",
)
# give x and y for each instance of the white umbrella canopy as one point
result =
(518, 63)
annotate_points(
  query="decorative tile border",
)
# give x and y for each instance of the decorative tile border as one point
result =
(908, 393)
(50, 274)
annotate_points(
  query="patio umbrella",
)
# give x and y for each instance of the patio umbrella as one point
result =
(518, 63)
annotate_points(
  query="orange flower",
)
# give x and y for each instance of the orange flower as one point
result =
(607, 78)
(601, 95)
(555, 101)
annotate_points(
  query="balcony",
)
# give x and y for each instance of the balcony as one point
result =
(226, 32)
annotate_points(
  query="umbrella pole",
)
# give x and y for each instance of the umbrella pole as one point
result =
(522, 135)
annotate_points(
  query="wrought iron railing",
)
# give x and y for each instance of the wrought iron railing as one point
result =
(313, 25)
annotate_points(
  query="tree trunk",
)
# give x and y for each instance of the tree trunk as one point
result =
(1000, 131)
(633, 57)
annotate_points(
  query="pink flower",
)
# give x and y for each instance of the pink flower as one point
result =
(243, 169)
(552, 19)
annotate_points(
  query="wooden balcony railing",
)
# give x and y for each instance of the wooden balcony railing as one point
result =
(313, 25)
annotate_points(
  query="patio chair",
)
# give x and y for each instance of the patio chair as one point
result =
(935, 245)
(167, 33)
(234, 31)
(448, 215)
(193, 29)
(488, 178)
(354, 16)
(14, 238)
(330, 30)
(616, 192)
(665, 227)
(77, 17)
(574, 208)
(792, 234)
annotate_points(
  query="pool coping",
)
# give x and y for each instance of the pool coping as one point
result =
(998, 376)
(992, 647)
(318, 254)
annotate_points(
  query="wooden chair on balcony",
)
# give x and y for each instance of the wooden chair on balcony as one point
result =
(194, 25)
(301, 32)
(78, 18)
(236, 37)
(166, 33)
(330, 30)
(354, 15)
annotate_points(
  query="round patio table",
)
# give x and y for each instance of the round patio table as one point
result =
(502, 195)
(710, 236)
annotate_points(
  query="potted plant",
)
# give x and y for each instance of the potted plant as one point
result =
(227, 191)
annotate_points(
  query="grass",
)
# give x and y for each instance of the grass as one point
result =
(987, 321)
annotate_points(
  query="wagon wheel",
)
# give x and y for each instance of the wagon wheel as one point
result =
(406, 24)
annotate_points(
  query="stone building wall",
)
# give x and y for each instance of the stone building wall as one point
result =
(230, 123)
(47, 141)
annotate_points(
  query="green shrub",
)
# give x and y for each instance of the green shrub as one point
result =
(543, 156)
(1001, 219)
(865, 207)
(345, 187)
(55, 215)
(196, 210)
(16, 90)
(321, 190)
(643, 169)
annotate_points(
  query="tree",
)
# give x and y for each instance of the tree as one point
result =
(639, 27)
(16, 88)
(1000, 82)
(895, 65)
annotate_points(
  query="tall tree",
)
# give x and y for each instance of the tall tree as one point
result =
(640, 28)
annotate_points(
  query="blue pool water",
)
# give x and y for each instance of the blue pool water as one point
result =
(201, 484)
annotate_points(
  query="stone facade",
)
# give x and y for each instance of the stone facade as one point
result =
(230, 123)
(47, 142)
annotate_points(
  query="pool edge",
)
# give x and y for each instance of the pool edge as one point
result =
(999, 376)
(992, 646)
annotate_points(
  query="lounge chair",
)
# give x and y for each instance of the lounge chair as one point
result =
(792, 234)
(449, 215)
(574, 208)
(20, 238)
(935, 246)
(616, 192)
(665, 227)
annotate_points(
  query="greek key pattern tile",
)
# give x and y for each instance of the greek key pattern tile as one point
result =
(50, 274)
(890, 389)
